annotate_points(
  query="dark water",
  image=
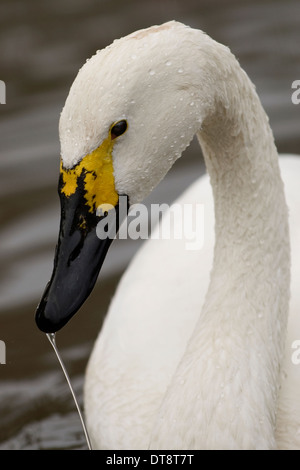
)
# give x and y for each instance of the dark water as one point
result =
(42, 45)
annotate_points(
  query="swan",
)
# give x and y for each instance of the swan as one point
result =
(195, 351)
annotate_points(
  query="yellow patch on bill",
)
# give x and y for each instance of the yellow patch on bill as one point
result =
(96, 168)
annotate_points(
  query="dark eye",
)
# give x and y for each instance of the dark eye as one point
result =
(118, 129)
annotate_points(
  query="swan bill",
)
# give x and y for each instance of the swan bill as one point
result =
(80, 253)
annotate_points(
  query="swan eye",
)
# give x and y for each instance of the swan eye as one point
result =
(118, 129)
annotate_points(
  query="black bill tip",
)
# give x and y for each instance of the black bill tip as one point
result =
(79, 256)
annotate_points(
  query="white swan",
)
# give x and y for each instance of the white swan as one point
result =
(184, 360)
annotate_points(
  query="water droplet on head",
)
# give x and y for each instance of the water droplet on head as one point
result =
(284, 374)
(151, 72)
(180, 70)
(168, 63)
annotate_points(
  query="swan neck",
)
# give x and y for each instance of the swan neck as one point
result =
(251, 226)
(233, 357)
(247, 301)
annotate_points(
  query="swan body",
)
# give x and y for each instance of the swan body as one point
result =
(192, 349)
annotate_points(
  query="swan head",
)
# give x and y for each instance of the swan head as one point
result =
(131, 111)
(148, 79)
